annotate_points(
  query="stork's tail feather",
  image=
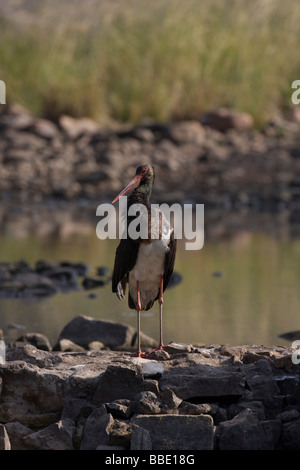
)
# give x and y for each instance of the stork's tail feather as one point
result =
(132, 304)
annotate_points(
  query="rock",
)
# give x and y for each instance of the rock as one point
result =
(56, 436)
(176, 348)
(140, 438)
(256, 407)
(96, 429)
(203, 381)
(64, 279)
(175, 279)
(157, 355)
(74, 128)
(260, 380)
(169, 399)
(83, 330)
(67, 345)
(84, 162)
(31, 396)
(38, 340)
(16, 432)
(186, 131)
(118, 382)
(245, 432)
(103, 271)
(198, 408)
(4, 274)
(44, 128)
(11, 289)
(178, 432)
(120, 434)
(288, 415)
(21, 280)
(147, 403)
(26, 353)
(27, 284)
(89, 283)
(104, 399)
(291, 335)
(96, 345)
(224, 119)
(291, 435)
(121, 408)
(48, 267)
(4, 439)
(152, 368)
(110, 448)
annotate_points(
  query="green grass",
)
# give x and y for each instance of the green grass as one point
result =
(165, 60)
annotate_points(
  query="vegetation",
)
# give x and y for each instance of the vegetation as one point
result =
(165, 60)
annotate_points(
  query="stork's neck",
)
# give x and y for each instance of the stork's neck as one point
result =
(141, 195)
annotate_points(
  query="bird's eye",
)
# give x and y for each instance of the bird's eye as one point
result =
(144, 171)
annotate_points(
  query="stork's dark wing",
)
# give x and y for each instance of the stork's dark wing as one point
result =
(170, 260)
(126, 256)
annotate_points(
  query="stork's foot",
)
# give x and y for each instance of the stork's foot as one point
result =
(159, 348)
(140, 354)
(148, 355)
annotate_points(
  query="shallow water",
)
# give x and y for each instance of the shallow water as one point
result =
(244, 289)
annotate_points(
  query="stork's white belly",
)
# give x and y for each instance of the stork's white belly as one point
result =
(148, 270)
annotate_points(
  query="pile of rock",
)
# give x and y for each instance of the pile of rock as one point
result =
(19, 279)
(182, 398)
(219, 160)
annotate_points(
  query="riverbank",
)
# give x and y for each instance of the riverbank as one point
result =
(187, 397)
(218, 160)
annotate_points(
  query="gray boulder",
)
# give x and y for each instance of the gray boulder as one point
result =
(291, 435)
(118, 382)
(140, 438)
(38, 340)
(245, 432)
(4, 439)
(16, 432)
(96, 429)
(56, 436)
(203, 381)
(84, 330)
(31, 395)
(177, 432)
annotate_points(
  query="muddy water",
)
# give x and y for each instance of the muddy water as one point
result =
(242, 289)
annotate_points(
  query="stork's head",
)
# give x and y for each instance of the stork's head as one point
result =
(144, 177)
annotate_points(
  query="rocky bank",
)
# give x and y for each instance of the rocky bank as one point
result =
(186, 397)
(219, 160)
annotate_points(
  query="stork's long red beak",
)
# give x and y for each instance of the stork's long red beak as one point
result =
(134, 182)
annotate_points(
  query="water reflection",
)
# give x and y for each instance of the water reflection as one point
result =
(237, 289)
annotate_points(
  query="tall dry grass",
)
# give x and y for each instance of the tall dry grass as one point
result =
(165, 60)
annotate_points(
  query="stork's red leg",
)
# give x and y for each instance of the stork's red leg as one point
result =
(138, 310)
(161, 301)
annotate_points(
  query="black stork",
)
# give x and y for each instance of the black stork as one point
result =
(145, 264)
